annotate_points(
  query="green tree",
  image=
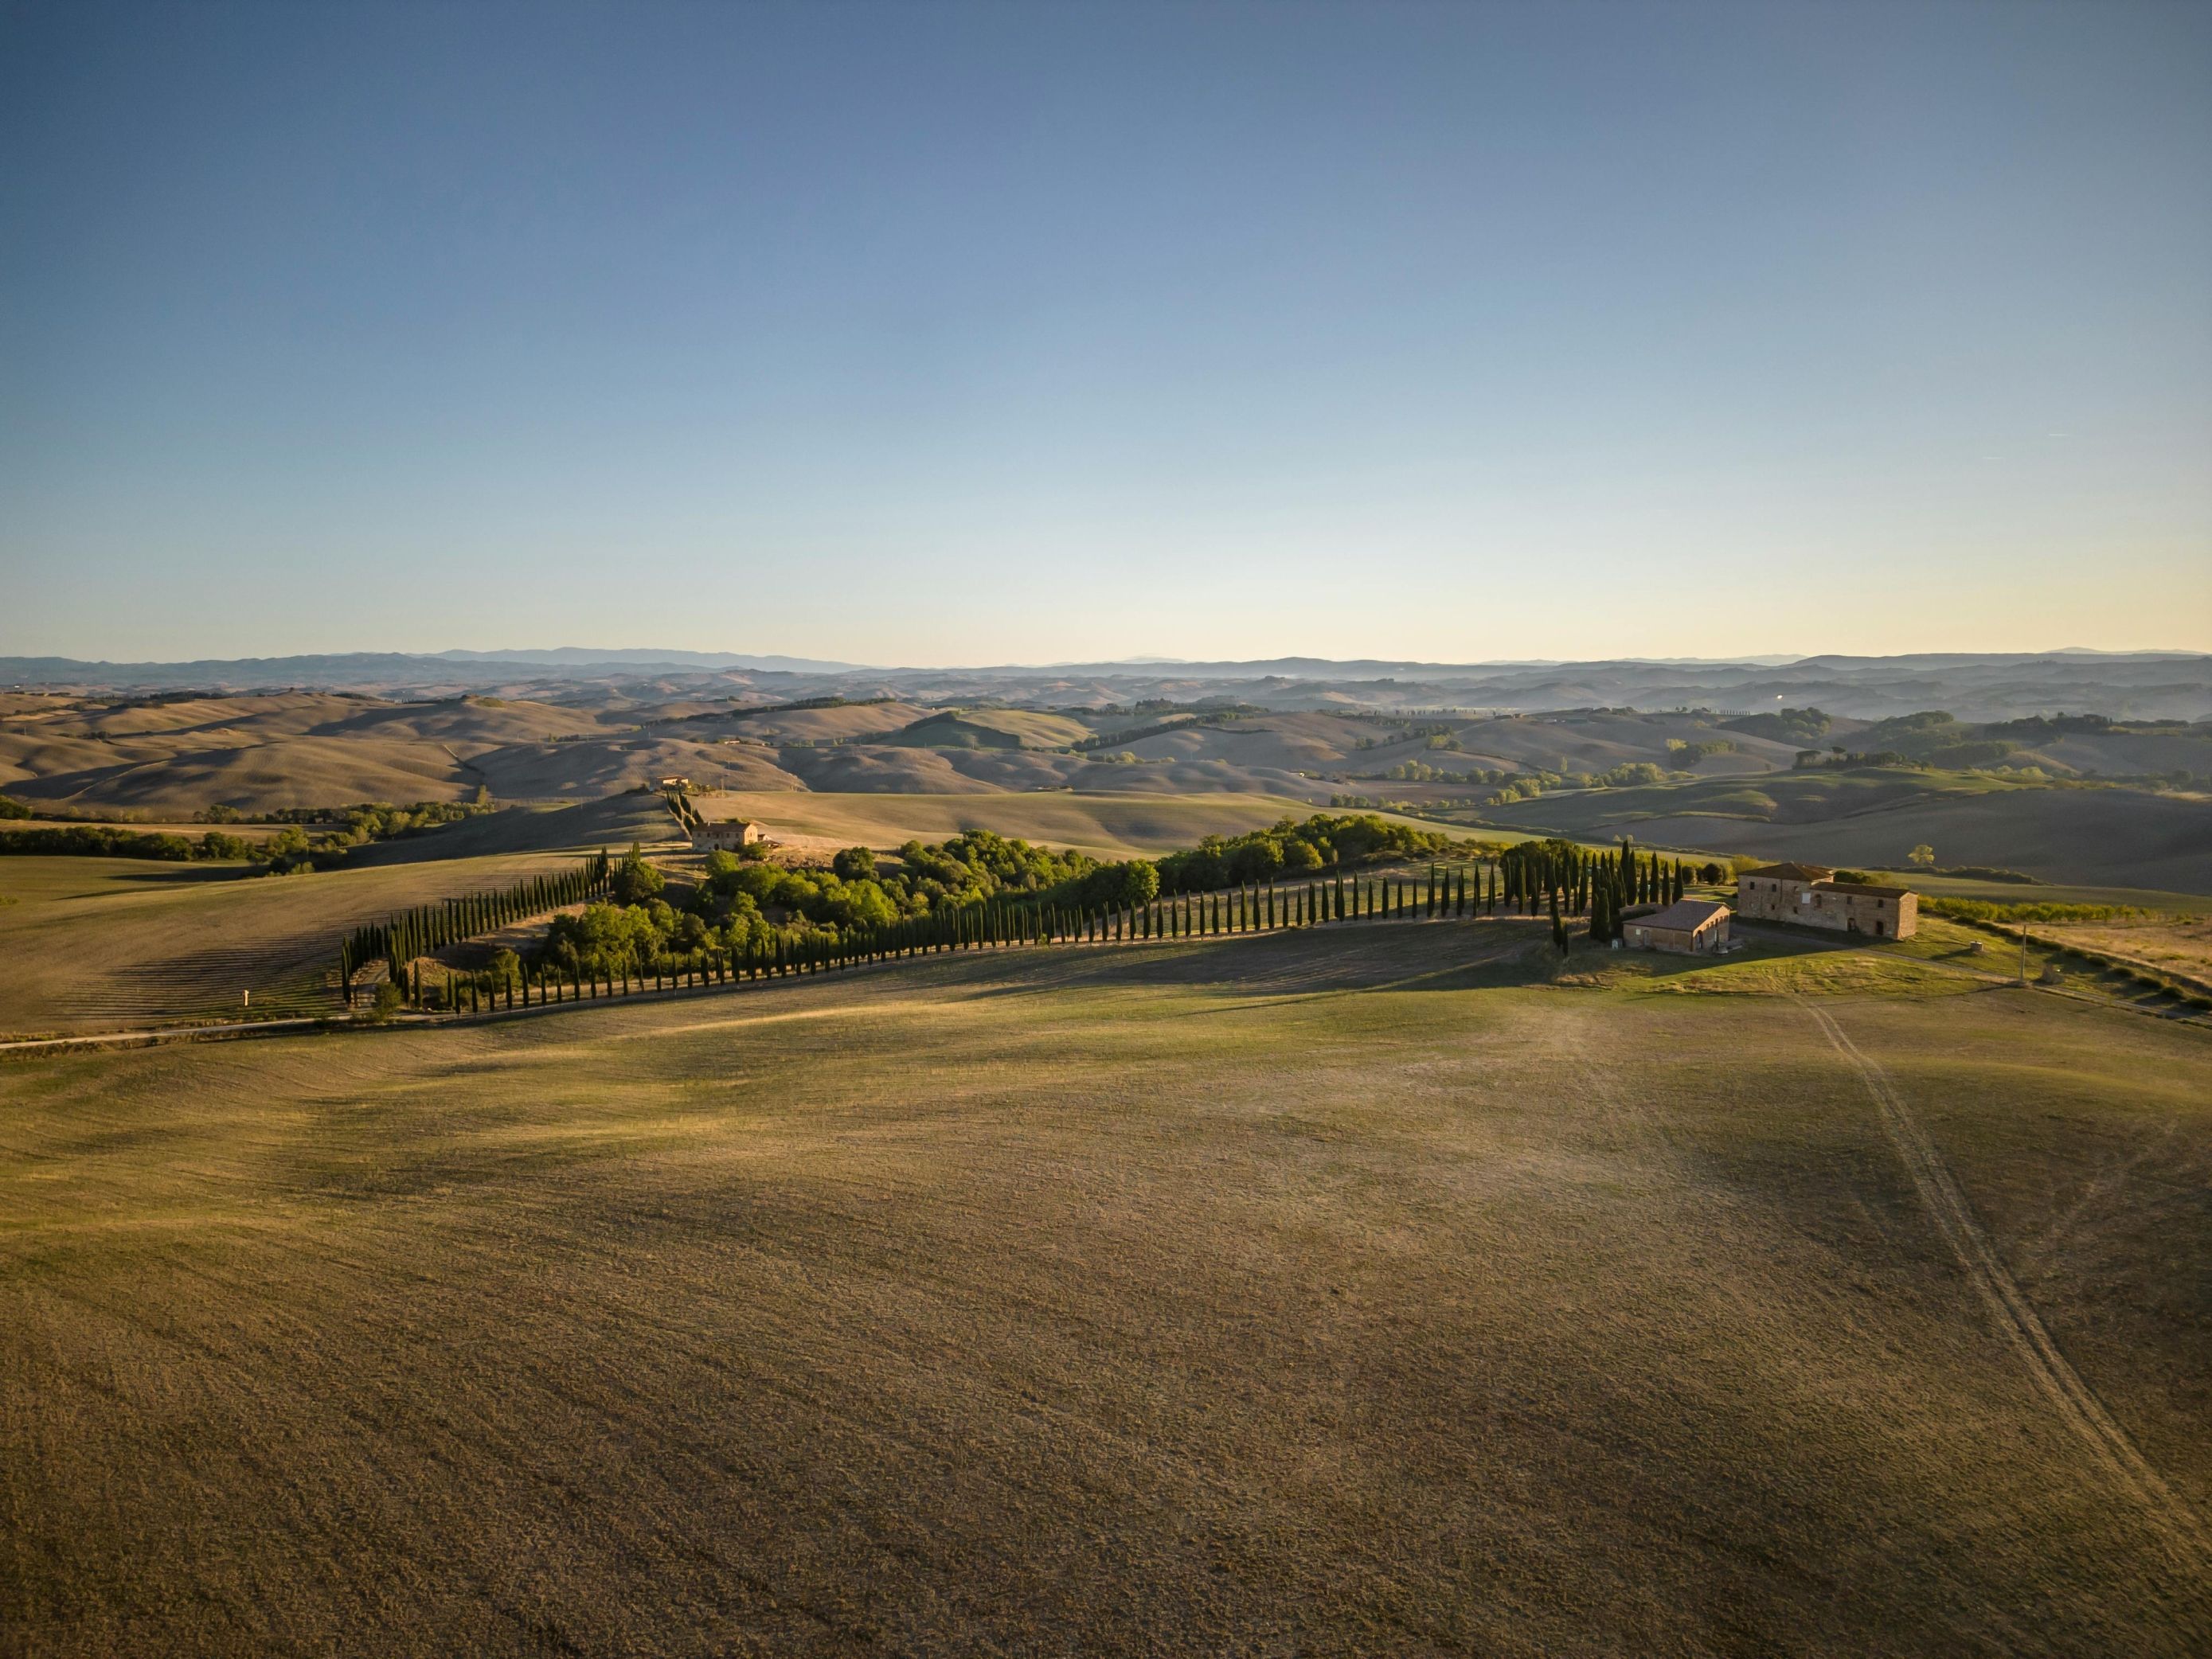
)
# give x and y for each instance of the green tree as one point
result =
(636, 881)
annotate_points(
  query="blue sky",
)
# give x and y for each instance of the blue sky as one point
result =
(931, 333)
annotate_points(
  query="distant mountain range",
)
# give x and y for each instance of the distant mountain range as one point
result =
(2136, 685)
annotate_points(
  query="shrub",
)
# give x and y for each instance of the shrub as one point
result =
(1961, 909)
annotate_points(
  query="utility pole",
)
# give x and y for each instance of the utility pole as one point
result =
(2023, 953)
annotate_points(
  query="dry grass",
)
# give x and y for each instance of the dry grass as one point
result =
(1304, 1293)
(1106, 826)
(105, 945)
(2173, 945)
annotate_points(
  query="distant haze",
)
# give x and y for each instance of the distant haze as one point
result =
(955, 334)
(2166, 686)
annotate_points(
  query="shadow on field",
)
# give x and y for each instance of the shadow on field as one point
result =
(612, 823)
(1442, 955)
(186, 875)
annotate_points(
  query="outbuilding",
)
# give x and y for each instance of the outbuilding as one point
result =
(730, 835)
(1687, 928)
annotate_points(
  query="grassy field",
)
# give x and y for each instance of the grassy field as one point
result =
(2011, 892)
(2173, 945)
(103, 945)
(1319, 1292)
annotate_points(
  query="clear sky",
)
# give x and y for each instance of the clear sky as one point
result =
(923, 333)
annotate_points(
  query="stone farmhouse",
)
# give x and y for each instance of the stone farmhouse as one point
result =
(1810, 895)
(1686, 927)
(727, 834)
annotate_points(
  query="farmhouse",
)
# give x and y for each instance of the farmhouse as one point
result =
(1687, 926)
(1810, 895)
(727, 834)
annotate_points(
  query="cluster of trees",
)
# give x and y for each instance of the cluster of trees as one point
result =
(1422, 772)
(108, 841)
(1439, 736)
(1322, 841)
(748, 909)
(1575, 881)
(400, 939)
(1628, 775)
(291, 849)
(1689, 753)
(1783, 724)
(363, 821)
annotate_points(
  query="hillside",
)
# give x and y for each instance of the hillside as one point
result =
(990, 728)
(2102, 837)
(1106, 826)
(100, 945)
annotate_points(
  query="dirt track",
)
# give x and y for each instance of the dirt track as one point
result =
(2074, 1402)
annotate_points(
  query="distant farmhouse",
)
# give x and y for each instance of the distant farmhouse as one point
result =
(1686, 927)
(727, 834)
(1810, 895)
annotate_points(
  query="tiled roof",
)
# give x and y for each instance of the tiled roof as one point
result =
(1684, 916)
(1793, 872)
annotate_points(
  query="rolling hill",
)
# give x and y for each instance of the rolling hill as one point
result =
(2105, 836)
(1104, 825)
(990, 728)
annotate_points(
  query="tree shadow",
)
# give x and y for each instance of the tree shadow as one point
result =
(1328, 960)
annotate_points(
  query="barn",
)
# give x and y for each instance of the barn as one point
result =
(1686, 927)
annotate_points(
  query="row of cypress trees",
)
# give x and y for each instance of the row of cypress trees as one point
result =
(1577, 881)
(1001, 923)
(399, 940)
